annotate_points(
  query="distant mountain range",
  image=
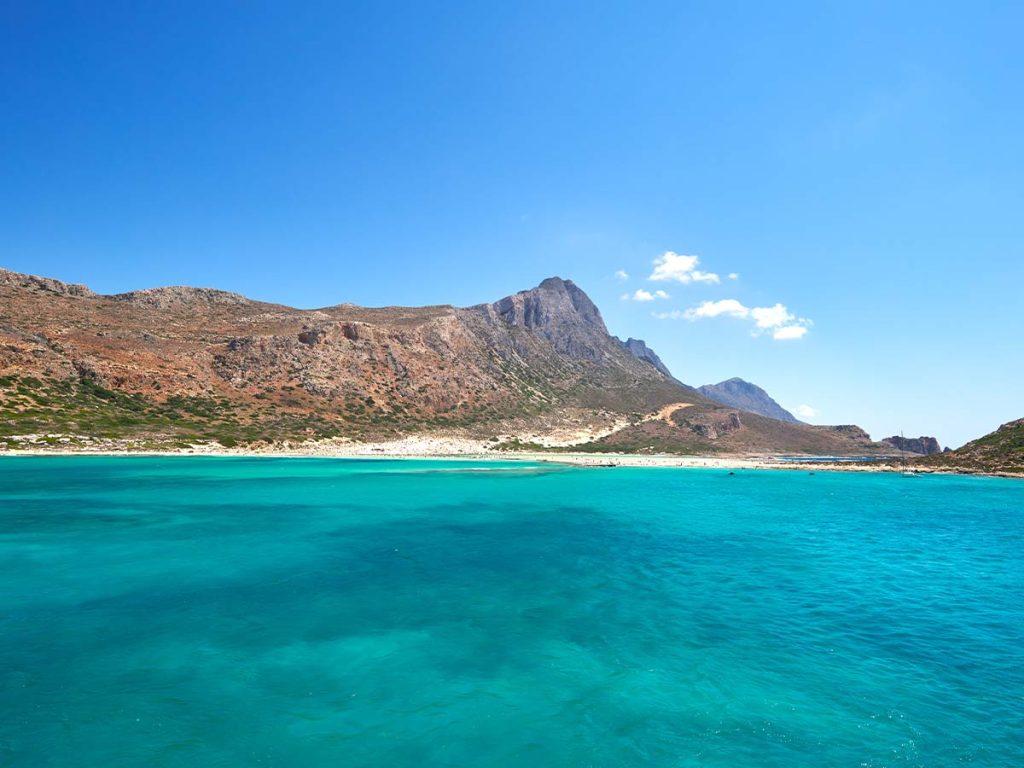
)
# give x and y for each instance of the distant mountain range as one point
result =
(174, 366)
(742, 394)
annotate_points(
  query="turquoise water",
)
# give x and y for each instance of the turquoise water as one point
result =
(227, 612)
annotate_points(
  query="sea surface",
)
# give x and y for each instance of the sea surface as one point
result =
(303, 612)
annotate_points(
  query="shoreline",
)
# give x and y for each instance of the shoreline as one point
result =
(455, 450)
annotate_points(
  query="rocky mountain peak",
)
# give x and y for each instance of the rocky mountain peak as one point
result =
(559, 311)
(555, 300)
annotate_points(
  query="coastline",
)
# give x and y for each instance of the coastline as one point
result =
(445, 448)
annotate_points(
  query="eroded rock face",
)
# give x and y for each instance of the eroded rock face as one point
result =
(561, 313)
(312, 336)
(851, 432)
(711, 425)
(344, 361)
(641, 351)
(923, 445)
(705, 430)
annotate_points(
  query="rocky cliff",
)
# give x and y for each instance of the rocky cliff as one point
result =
(925, 446)
(638, 349)
(559, 312)
(746, 396)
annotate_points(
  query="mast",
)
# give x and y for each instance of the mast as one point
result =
(903, 458)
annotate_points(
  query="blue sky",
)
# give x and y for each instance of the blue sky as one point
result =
(860, 164)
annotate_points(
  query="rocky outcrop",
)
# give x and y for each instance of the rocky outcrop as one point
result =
(741, 394)
(923, 445)
(180, 296)
(45, 284)
(638, 349)
(711, 425)
(312, 336)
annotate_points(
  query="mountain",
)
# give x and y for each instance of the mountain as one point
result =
(179, 365)
(999, 451)
(746, 396)
(922, 445)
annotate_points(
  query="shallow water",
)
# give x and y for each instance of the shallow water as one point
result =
(224, 612)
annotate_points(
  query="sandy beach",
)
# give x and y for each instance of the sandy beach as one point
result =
(444, 447)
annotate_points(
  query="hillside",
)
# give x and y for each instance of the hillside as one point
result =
(742, 394)
(180, 365)
(999, 451)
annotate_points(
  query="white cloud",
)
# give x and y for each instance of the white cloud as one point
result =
(673, 266)
(782, 323)
(771, 317)
(734, 276)
(681, 269)
(641, 295)
(789, 332)
(729, 307)
(805, 411)
(622, 275)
